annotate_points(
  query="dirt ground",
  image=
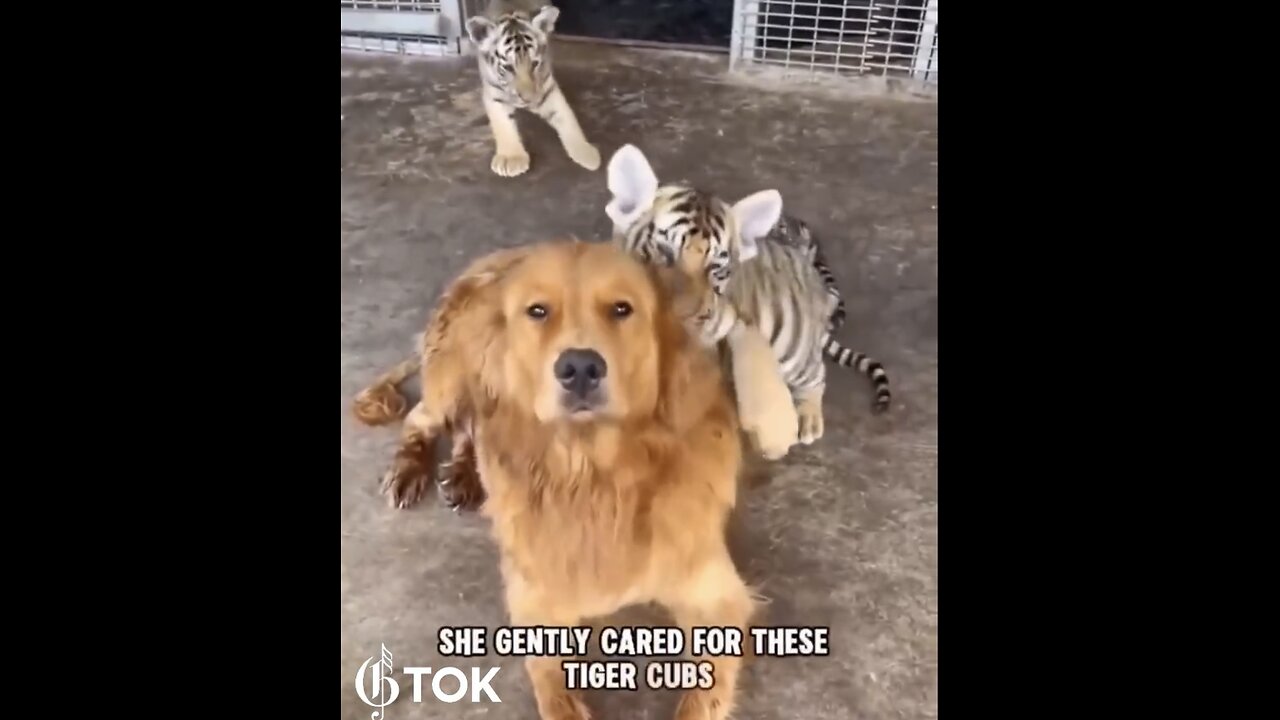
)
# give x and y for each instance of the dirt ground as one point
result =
(841, 534)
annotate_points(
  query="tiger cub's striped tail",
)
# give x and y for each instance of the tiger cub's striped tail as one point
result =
(798, 233)
(838, 313)
(865, 365)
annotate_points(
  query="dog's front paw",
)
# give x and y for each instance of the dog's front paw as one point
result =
(405, 483)
(510, 164)
(460, 487)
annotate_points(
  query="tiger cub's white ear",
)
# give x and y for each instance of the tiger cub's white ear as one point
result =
(632, 184)
(755, 215)
(545, 20)
(481, 29)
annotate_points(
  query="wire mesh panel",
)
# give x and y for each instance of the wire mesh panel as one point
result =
(393, 5)
(410, 27)
(886, 38)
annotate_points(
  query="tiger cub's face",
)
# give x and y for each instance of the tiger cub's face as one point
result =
(513, 51)
(674, 224)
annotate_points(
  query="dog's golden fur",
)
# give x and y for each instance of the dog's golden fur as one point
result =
(596, 505)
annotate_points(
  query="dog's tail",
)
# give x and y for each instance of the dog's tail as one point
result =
(382, 403)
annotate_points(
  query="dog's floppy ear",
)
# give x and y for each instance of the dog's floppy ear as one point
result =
(463, 331)
(545, 21)
(632, 184)
(755, 215)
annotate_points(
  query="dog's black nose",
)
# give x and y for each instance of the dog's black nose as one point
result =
(580, 371)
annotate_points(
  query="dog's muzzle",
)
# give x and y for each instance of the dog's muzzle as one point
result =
(579, 371)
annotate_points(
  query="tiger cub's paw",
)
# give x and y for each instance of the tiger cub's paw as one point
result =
(774, 433)
(585, 154)
(510, 165)
(812, 425)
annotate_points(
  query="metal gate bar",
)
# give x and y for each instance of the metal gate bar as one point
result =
(884, 38)
(416, 27)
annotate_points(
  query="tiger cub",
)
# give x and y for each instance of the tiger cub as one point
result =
(767, 278)
(794, 231)
(511, 40)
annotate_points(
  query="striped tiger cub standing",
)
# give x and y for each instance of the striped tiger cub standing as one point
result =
(765, 270)
(793, 231)
(511, 40)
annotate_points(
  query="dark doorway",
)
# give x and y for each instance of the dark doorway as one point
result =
(690, 22)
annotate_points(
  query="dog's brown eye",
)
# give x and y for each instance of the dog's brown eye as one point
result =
(621, 309)
(536, 311)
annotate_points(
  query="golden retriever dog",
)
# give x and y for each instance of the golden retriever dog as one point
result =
(605, 438)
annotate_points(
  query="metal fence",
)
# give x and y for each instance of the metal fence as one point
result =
(886, 38)
(882, 38)
(410, 27)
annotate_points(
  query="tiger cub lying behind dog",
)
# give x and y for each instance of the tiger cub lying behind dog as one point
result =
(511, 40)
(765, 271)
